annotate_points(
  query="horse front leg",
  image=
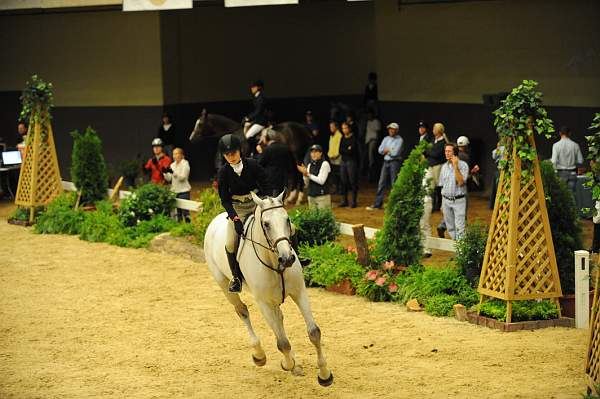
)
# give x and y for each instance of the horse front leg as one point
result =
(325, 376)
(274, 318)
(259, 357)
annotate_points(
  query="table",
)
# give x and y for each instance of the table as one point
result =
(583, 197)
(5, 170)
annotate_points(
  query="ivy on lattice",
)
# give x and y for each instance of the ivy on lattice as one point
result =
(593, 142)
(37, 100)
(520, 114)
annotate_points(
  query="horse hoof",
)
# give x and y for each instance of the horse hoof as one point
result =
(326, 382)
(290, 369)
(297, 371)
(259, 362)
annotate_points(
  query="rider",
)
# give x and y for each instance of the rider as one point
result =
(236, 179)
(256, 121)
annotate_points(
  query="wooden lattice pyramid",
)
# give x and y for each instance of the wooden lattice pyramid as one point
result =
(39, 180)
(592, 362)
(519, 261)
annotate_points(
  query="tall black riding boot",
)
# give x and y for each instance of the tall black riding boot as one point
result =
(303, 261)
(235, 285)
(354, 199)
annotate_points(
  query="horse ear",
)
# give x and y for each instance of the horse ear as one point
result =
(281, 196)
(256, 199)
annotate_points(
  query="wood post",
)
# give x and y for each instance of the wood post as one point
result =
(362, 246)
(115, 193)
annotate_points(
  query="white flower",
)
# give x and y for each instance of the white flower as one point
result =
(132, 213)
(150, 210)
(138, 221)
(133, 196)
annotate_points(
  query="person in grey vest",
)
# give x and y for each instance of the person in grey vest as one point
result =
(566, 157)
(453, 179)
(316, 177)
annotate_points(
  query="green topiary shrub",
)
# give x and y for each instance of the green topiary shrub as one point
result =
(522, 310)
(331, 264)
(470, 249)
(88, 169)
(60, 217)
(564, 223)
(314, 226)
(146, 202)
(400, 238)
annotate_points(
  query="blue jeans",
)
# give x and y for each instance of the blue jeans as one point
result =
(183, 215)
(389, 172)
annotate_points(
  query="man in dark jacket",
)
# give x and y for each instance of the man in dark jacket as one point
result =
(277, 160)
(436, 158)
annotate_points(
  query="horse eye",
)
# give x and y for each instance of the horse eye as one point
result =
(267, 225)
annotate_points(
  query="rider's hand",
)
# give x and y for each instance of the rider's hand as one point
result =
(238, 225)
(154, 161)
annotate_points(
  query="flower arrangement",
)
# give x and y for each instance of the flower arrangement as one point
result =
(37, 100)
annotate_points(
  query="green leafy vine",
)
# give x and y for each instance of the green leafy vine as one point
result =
(594, 156)
(37, 100)
(516, 120)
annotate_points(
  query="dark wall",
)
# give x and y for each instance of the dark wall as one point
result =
(10, 106)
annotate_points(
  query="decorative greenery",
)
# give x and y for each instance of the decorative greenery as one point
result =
(102, 225)
(521, 310)
(400, 238)
(470, 249)
(210, 208)
(519, 116)
(37, 101)
(130, 170)
(88, 168)
(60, 217)
(331, 264)
(19, 213)
(592, 395)
(381, 284)
(594, 156)
(564, 219)
(146, 202)
(314, 226)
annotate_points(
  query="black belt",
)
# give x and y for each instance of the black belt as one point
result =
(454, 198)
(567, 170)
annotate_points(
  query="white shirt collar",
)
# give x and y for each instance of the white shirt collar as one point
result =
(238, 167)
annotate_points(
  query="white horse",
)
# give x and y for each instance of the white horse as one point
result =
(271, 273)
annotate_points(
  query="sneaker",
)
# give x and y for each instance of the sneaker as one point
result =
(372, 208)
(427, 254)
(441, 232)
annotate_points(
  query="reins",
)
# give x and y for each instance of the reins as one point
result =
(272, 246)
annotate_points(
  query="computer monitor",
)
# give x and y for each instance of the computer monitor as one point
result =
(11, 158)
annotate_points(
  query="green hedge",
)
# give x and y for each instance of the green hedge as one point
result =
(521, 310)
(331, 264)
(314, 226)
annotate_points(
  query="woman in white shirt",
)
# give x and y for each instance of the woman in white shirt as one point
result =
(316, 176)
(178, 174)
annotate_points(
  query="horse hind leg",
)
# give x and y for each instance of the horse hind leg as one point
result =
(274, 318)
(259, 357)
(325, 376)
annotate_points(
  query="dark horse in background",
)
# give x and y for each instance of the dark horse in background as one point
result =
(295, 135)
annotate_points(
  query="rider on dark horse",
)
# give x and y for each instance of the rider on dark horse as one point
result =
(257, 120)
(236, 179)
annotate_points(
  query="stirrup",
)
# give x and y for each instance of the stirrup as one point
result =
(235, 285)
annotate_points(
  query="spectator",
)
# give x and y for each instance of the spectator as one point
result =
(566, 158)
(316, 177)
(315, 134)
(596, 237)
(349, 165)
(334, 154)
(157, 162)
(168, 134)
(435, 158)
(391, 149)
(277, 161)
(21, 132)
(452, 181)
(178, 174)
(371, 138)
(424, 133)
(426, 218)
(497, 154)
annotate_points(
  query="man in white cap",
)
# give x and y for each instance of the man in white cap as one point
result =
(391, 149)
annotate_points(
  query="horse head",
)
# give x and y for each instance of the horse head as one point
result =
(276, 227)
(199, 126)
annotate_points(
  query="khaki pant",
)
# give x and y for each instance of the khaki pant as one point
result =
(243, 209)
(435, 174)
(320, 202)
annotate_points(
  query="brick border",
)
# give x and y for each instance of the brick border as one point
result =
(473, 318)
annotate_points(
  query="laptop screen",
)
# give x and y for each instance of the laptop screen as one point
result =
(11, 157)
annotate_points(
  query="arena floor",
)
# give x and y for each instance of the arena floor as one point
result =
(92, 320)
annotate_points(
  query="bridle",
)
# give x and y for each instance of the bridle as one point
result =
(272, 245)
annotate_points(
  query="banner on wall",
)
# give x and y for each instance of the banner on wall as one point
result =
(156, 5)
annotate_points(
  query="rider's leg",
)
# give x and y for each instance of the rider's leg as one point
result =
(231, 245)
(254, 130)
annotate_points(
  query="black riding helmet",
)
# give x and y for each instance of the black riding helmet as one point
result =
(229, 143)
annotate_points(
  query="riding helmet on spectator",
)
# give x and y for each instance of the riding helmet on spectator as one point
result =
(157, 142)
(229, 143)
(462, 141)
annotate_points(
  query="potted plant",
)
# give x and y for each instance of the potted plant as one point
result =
(88, 168)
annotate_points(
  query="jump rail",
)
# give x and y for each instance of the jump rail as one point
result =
(432, 242)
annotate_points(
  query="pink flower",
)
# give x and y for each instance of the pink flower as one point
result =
(372, 275)
(380, 281)
(388, 265)
(351, 249)
(393, 287)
